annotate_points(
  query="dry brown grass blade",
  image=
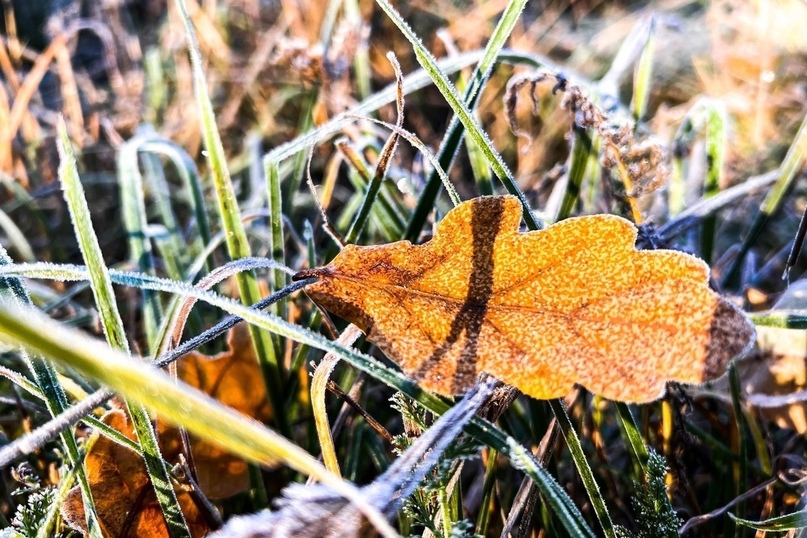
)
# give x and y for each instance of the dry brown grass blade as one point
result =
(104, 33)
(8, 70)
(257, 62)
(27, 90)
(69, 90)
(5, 143)
(211, 42)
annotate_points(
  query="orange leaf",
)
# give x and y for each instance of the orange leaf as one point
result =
(234, 378)
(574, 303)
(123, 495)
(121, 488)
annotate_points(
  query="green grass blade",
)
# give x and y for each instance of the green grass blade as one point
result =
(488, 493)
(237, 243)
(189, 174)
(16, 238)
(427, 61)
(174, 251)
(455, 131)
(88, 245)
(479, 167)
(135, 222)
(583, 468)
(427, 154)
(716, 136)
(788, 170)
(384, 161)
(743, 438)
(582, 148)
(640, 451)
(115, 332)
(386, 211)
(361, 62)
(631, 49)
(643, 74)
(47, 384)
(277, 244)
(632, 435)
(796, 520)
(785, 319)
(298, 168)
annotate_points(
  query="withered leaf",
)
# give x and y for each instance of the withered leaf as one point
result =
(232, 377)
(575, 303)
(774, 375)
(125, 501)
(121, 488)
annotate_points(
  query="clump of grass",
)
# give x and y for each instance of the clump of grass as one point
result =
(614, 98)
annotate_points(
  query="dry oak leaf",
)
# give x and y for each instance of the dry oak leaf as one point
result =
(574, 303)
(121, 487)
(233, 377)
(125, 501)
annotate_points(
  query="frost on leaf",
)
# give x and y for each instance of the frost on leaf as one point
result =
(575, 303)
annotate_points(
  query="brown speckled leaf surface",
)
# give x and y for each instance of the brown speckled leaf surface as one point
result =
(125, 501)
(124, 496)
(575, 303)
(233, 377)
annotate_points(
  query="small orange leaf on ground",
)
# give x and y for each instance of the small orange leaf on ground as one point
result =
(232, 377)
(575, 303)
(121, 488)
(124, 498)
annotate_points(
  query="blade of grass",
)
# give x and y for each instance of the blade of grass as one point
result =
(135, 222)
(174, 251)
(115, 333)
(583, 468)
(319, 384)
(741, 471)
(716, 137)
(47, 384)
(474, 130)
(632, 435)
(361, 60)
(425, 152)
(788, 171)
(189, 175)
(479, 167)
(643, 74)
(488, 493)
(386, 211)
(582, 148)
(277, 243)
(30, 442)
(384, 161)
(631, 49)
(16, 238)
(785, 319)
(456, 128)
(298, 168)
(796, 520)
(237, 243)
